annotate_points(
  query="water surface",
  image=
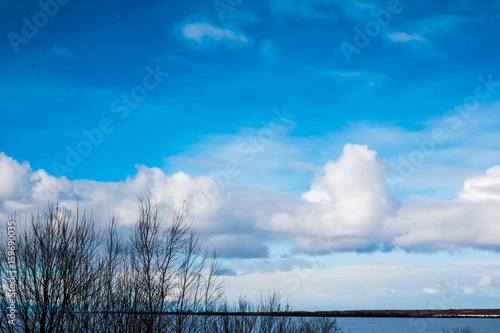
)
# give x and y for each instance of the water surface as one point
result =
(418, 325)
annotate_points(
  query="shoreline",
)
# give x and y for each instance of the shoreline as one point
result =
(450, 313)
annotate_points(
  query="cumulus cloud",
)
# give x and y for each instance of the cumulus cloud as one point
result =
(482, 188)
(471, 220)
(485, 281)
(347, 208)
(347, 204)
(14, 177)
(225, 218)
(24, 189)
(468, 291)
(431, 291)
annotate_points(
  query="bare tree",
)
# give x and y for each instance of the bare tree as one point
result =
(188, 294)
(56, 264)
(115, 285)
(72, 278)
(154, 255)
(213, 290)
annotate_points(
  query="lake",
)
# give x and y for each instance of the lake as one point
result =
(418, 325)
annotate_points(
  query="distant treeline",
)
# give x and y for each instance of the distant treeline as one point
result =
(60, 273)
(399, 313)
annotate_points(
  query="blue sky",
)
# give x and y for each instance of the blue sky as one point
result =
(384, 159)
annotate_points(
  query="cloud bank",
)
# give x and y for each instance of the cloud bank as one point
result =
(347, 208)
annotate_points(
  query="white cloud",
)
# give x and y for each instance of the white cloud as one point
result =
(346, 204)
(14, 177)
(347, 200)
(471, 220)
(485, 281)
(352, 185)
(468, 291)
(482, 188)
(199, 31)
(434, 225)
(404, 37)
(431, 291)
(24, 189)
(347, 207)
(225, 218)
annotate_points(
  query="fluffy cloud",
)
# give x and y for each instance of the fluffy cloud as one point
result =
(482, 188)
(431, 291)
(485, 281)
(347, 204)
(471, 220)
(468, 291)
(226, 219)
(347, 208)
